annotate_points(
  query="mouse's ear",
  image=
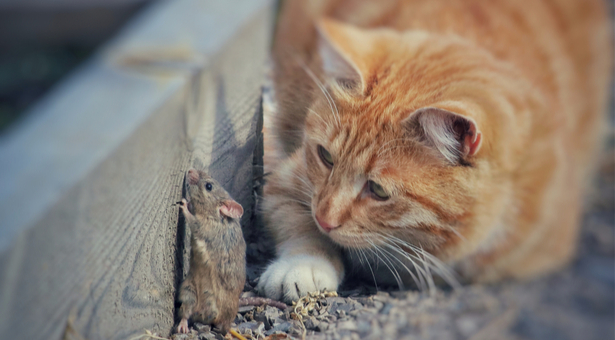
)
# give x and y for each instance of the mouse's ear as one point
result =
(231, 209)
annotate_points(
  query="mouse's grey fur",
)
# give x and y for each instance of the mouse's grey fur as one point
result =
(210, 293)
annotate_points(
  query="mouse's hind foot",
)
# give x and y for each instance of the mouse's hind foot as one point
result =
(183, 326)
(208, 316)
(223, 327)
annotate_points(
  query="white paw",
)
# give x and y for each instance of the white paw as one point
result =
(288, 279)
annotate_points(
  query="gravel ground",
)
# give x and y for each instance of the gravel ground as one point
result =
(577, 302)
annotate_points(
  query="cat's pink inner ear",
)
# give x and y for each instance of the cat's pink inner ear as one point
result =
(453, 135)
(473, 142)
(337, 63)
(231, 209)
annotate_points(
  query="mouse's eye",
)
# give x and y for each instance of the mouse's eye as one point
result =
(208, 186)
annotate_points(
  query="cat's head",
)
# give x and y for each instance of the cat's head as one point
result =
(396, 143)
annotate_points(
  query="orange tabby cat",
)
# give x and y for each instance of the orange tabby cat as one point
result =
(418, 135)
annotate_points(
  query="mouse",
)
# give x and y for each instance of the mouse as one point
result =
(211, 291)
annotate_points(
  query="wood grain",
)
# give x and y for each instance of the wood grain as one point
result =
(105, 259)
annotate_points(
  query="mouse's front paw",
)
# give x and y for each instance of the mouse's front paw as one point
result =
(288, 279)
(183, 206)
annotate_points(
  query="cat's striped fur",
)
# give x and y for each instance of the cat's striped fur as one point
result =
(478, 122)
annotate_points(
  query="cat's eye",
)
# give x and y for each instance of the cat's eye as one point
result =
(377, 190)
(208, 186)
(325, 156)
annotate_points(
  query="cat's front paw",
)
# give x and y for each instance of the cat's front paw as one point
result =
(288, 279)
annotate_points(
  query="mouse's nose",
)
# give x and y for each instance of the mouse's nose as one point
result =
(324, 225)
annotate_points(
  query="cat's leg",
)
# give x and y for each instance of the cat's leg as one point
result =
(303, 265)
(307, 260)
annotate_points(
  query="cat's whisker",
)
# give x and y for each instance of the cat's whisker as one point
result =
(387, 263)
(306, 211)
(291, 131)
(419, 282)
(304, 220)
(304, 192)
(379, 259)
(400, 281)
(392, 268)
(317, 115)
(307, 223)
(323, 90)
(307, 184)
(303, 203)
(309, 193)
(425, 270)
(370, 268)
(303, 185)
(456, 232)
(306, 214)
(421, 273)
(427, 266)
(355, 251)
(443, 271)
(362, 255)
(422, 269)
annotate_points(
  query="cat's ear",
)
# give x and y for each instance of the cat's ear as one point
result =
(336, 52)
(454, 136)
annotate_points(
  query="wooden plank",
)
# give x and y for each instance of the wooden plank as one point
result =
(103, 256)
(47, 4)
(94, 110)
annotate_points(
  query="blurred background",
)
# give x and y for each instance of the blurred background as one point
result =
(43, 40)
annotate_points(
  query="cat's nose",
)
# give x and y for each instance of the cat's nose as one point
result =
(324, 225)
